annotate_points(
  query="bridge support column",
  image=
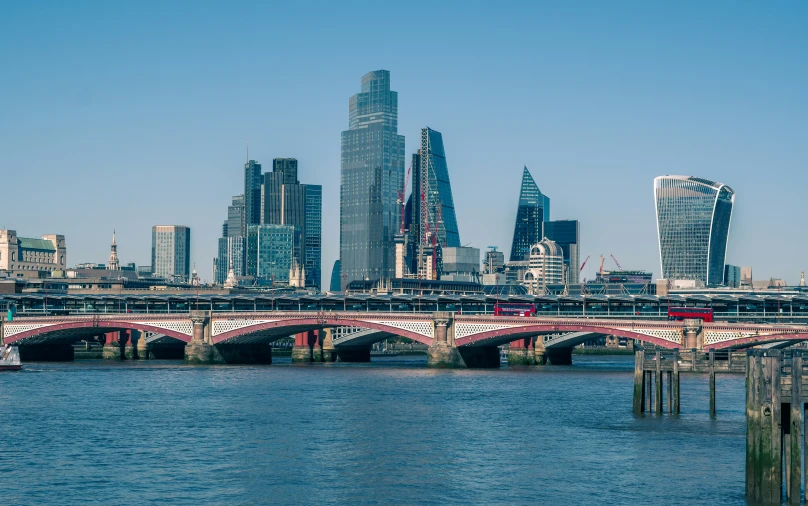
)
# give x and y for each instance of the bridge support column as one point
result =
(112, 346)
(693, 336)
(200, 350)
(306, 347)
(328, 350)
(142, 347)
(442, 353)
(127, 345)
(518, 353)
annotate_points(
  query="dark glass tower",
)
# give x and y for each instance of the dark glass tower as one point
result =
(371, 175)
(533, 211)
(252, 195)
(567, 234)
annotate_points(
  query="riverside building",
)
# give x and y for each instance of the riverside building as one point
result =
(24, 257)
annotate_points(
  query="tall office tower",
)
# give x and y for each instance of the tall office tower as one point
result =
(567, 235)
(732, 276)
(432, 204)
(533, 210)
(232, 241)
(313, 236)
(284, 201)
(371, 176)
(693, 217)
(171, 251)
(235, 218)
(252, 195)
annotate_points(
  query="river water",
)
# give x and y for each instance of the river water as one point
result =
(389, 432)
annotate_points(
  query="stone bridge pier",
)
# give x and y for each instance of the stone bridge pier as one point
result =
(444, 352)
(201, 349)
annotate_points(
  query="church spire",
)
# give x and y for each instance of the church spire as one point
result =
(113, 264)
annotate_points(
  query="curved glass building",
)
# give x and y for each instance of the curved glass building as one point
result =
(693, 217)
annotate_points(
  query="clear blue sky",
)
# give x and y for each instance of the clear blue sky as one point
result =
(129, 114)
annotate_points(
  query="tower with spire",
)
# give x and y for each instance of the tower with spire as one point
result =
(113, 264)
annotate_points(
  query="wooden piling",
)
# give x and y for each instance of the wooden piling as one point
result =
(650, 388)
(795, 430)
(675, 382)
(770, 453)
(751, 429)
(639, 383)
(670, 392)
(712, 383)
(658, 386)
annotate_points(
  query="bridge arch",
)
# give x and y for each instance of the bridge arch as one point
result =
(76, 331)
(748, 342)
(292, 326)
(506, 335)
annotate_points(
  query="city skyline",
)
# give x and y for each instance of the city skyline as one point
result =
(641, 106)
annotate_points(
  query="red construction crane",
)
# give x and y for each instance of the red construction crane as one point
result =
(584, 264)
(616, 262)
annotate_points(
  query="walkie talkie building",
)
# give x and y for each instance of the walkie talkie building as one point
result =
(693, 217)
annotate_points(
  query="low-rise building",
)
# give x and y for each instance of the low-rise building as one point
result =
(24, 257)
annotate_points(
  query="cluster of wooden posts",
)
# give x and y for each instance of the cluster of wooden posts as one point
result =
(775, 422)
(655, 367)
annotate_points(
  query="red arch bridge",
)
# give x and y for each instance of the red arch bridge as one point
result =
(453, 340)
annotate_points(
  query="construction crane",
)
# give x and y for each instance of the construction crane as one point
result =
(616, 262)
(600, 269)
(582, 265)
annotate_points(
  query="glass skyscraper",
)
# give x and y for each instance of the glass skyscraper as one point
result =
(252, 194)
(430, 178)
(273, 248)
(567, 234)
(371, 175)
(533, 211)
(693, 218)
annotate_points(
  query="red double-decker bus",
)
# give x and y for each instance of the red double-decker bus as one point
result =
(509, 309)
(681, 313)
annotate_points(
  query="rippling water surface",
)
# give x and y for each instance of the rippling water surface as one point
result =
(390, 432)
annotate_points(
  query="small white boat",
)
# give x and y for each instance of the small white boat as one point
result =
(10, 358)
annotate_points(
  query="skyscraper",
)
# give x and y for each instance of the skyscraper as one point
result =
(567, 235)
(232, 243)
(273, 248)
(433, 199)
(533, 210)
(252, 194)
(693, 218)
(171, 251)
(284, 201)
(372, 174)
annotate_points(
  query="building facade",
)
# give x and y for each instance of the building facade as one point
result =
(252, 194)
(26, 257)
(567, 234)
(461, 263)
(533, 211)
(285, 201)
(693, 219)
(273, 248)
(171, 252)
(732, 276)
(371, 176)
(545, 266)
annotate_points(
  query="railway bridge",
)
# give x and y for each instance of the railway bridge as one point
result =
(453, 340)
